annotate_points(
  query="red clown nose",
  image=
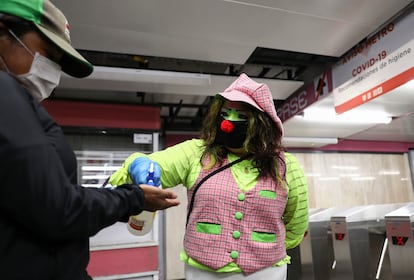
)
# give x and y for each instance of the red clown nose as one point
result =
(226, 126)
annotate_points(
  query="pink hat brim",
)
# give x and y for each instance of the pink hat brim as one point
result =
(239, 96)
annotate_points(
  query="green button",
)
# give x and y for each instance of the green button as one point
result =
(236, 234)
(241, 197)
(234, 254)
(238, 215)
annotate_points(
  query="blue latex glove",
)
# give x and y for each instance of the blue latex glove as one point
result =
(145, 171)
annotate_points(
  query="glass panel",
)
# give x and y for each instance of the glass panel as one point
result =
(95, 167)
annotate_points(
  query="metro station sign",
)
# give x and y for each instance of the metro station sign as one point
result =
(376, 66)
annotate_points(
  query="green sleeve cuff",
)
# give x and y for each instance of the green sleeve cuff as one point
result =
(121, 176)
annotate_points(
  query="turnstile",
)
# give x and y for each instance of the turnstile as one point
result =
(300, 267)
(359, 242)
(321, 254)
(304, 268)
(315, 252)
(400, 230)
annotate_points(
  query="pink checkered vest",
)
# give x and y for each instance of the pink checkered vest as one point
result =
(227, 225)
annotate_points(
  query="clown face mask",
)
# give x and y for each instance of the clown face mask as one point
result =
(232, 126)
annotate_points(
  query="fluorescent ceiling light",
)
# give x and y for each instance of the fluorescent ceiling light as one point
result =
(389, 172)
(312, 174)
(349, 117)
(328, 179)
(363, 179)
(88, 177)
(344, 167)
(99, 168)
(149, 76)
(352, 175)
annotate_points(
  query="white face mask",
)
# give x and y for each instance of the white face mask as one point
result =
(43, 76)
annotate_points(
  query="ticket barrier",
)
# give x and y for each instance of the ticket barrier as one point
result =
(321, 244)
(301, 262)
(314, 258)
(359, 241)
(300, 267)
(400, 230)
(305, 251)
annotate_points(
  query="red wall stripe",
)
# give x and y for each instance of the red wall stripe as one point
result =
(342, 146)
(173, 139)
(123, 261)
(102, 115)
(370, 146)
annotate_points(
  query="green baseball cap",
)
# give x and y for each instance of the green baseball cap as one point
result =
(53, 24)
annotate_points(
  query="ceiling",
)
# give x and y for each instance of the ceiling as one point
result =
(178, 54)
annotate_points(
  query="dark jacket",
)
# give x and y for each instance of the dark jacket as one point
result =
(46, 219)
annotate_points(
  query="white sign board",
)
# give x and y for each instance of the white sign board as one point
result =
(381, 63)
(141, 138)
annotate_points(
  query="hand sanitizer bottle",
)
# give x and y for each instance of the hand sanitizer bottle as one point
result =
(142, 223)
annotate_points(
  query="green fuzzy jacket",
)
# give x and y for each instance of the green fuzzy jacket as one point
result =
(180, 164)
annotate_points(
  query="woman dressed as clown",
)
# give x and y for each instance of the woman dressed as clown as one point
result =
(247, 198)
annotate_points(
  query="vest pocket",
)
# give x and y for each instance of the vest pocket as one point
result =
(208, 228)
(264, 237)
(267, 194)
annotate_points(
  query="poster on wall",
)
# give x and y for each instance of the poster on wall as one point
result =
(378, 65)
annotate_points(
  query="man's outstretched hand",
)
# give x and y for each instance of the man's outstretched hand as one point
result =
(158, 199)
